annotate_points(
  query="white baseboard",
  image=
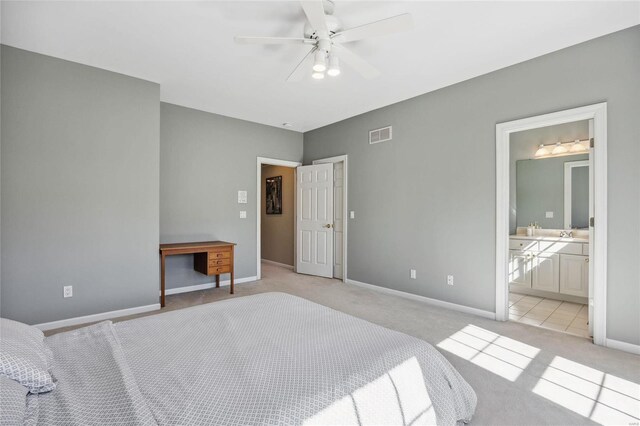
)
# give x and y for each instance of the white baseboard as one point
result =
(205, 286)
(97, 317)
(623, 346)
(282, 265)
(434, 302)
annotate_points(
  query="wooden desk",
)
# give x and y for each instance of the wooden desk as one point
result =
(209, 258)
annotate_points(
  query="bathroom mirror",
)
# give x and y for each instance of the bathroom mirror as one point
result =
(554, 192)
(576, 194)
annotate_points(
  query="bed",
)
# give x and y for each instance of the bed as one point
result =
(266, 359)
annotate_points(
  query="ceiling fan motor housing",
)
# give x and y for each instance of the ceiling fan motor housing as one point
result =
(333, 25)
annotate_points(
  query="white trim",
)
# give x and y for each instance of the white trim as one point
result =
(345, 207)
(623, 346)
(272, 162)
(97, 317)
(281, 265)
(568, 170)
(206, 286)
(597, 113)
(428, 300)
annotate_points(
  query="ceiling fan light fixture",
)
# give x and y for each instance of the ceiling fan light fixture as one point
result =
(334, 66)
(317, 75)
(320, 62)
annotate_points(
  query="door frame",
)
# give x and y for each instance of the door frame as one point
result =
(568, 185)
(345, 209)
(598, 244)
(271, 162)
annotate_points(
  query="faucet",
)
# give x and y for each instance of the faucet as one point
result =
(566, 234)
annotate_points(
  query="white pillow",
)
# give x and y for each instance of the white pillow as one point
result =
(13, 402)
(24, 357)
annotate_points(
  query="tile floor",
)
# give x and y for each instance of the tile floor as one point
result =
(548, 313)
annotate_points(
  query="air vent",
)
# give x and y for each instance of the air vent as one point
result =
(380, 135)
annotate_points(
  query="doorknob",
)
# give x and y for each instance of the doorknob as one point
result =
(328, 225)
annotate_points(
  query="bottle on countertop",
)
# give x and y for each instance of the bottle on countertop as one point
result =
(530, 230)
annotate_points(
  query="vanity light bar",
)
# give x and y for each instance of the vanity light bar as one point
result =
(563, 148)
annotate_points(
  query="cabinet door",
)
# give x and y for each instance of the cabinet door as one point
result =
(574, 275)
(519, 268)
(546, 272)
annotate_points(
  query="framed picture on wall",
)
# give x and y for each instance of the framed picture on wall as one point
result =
(274, 195)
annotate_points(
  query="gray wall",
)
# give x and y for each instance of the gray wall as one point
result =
(80, 173)
(540, 189)
(205, 159)
(427, 198)
(523, 145)
(278, 229)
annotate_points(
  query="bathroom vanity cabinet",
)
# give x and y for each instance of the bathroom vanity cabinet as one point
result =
(556, 265)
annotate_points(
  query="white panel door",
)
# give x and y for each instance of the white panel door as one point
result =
(338, 219)
(314, 220)
(591, 233)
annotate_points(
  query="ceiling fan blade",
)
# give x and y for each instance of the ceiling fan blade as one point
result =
(315, 14)
(356, 62)
(391, 25)
(273, 40)
(302, 67)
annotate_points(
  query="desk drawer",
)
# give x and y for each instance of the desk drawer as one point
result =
(219, 262)
(213, 255)
(220, 248)
(215, 270)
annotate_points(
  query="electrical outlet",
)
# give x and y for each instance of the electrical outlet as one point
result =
(413, 274)
(548, 215)
(449, 279)
(352, 214)
(243, 214)
(67, 291)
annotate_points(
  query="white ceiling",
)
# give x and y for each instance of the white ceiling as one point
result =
(188, 48)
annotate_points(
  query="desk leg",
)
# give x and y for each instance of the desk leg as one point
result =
(218, 281)
(162, 256)
(232, 266)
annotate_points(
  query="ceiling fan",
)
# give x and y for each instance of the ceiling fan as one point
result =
(324, 35)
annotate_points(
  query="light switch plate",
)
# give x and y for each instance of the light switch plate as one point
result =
(549, 215)
(352, 214)
(242, 197)
(243, 214)
(413, 274)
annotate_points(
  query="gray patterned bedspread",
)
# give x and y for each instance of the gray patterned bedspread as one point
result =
(266, 359)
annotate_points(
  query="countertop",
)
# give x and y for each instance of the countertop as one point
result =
(551, 238)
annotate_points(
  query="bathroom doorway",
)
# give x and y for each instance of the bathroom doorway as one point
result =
(549, 257)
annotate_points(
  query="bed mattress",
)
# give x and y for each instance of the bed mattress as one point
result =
(267, 359)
